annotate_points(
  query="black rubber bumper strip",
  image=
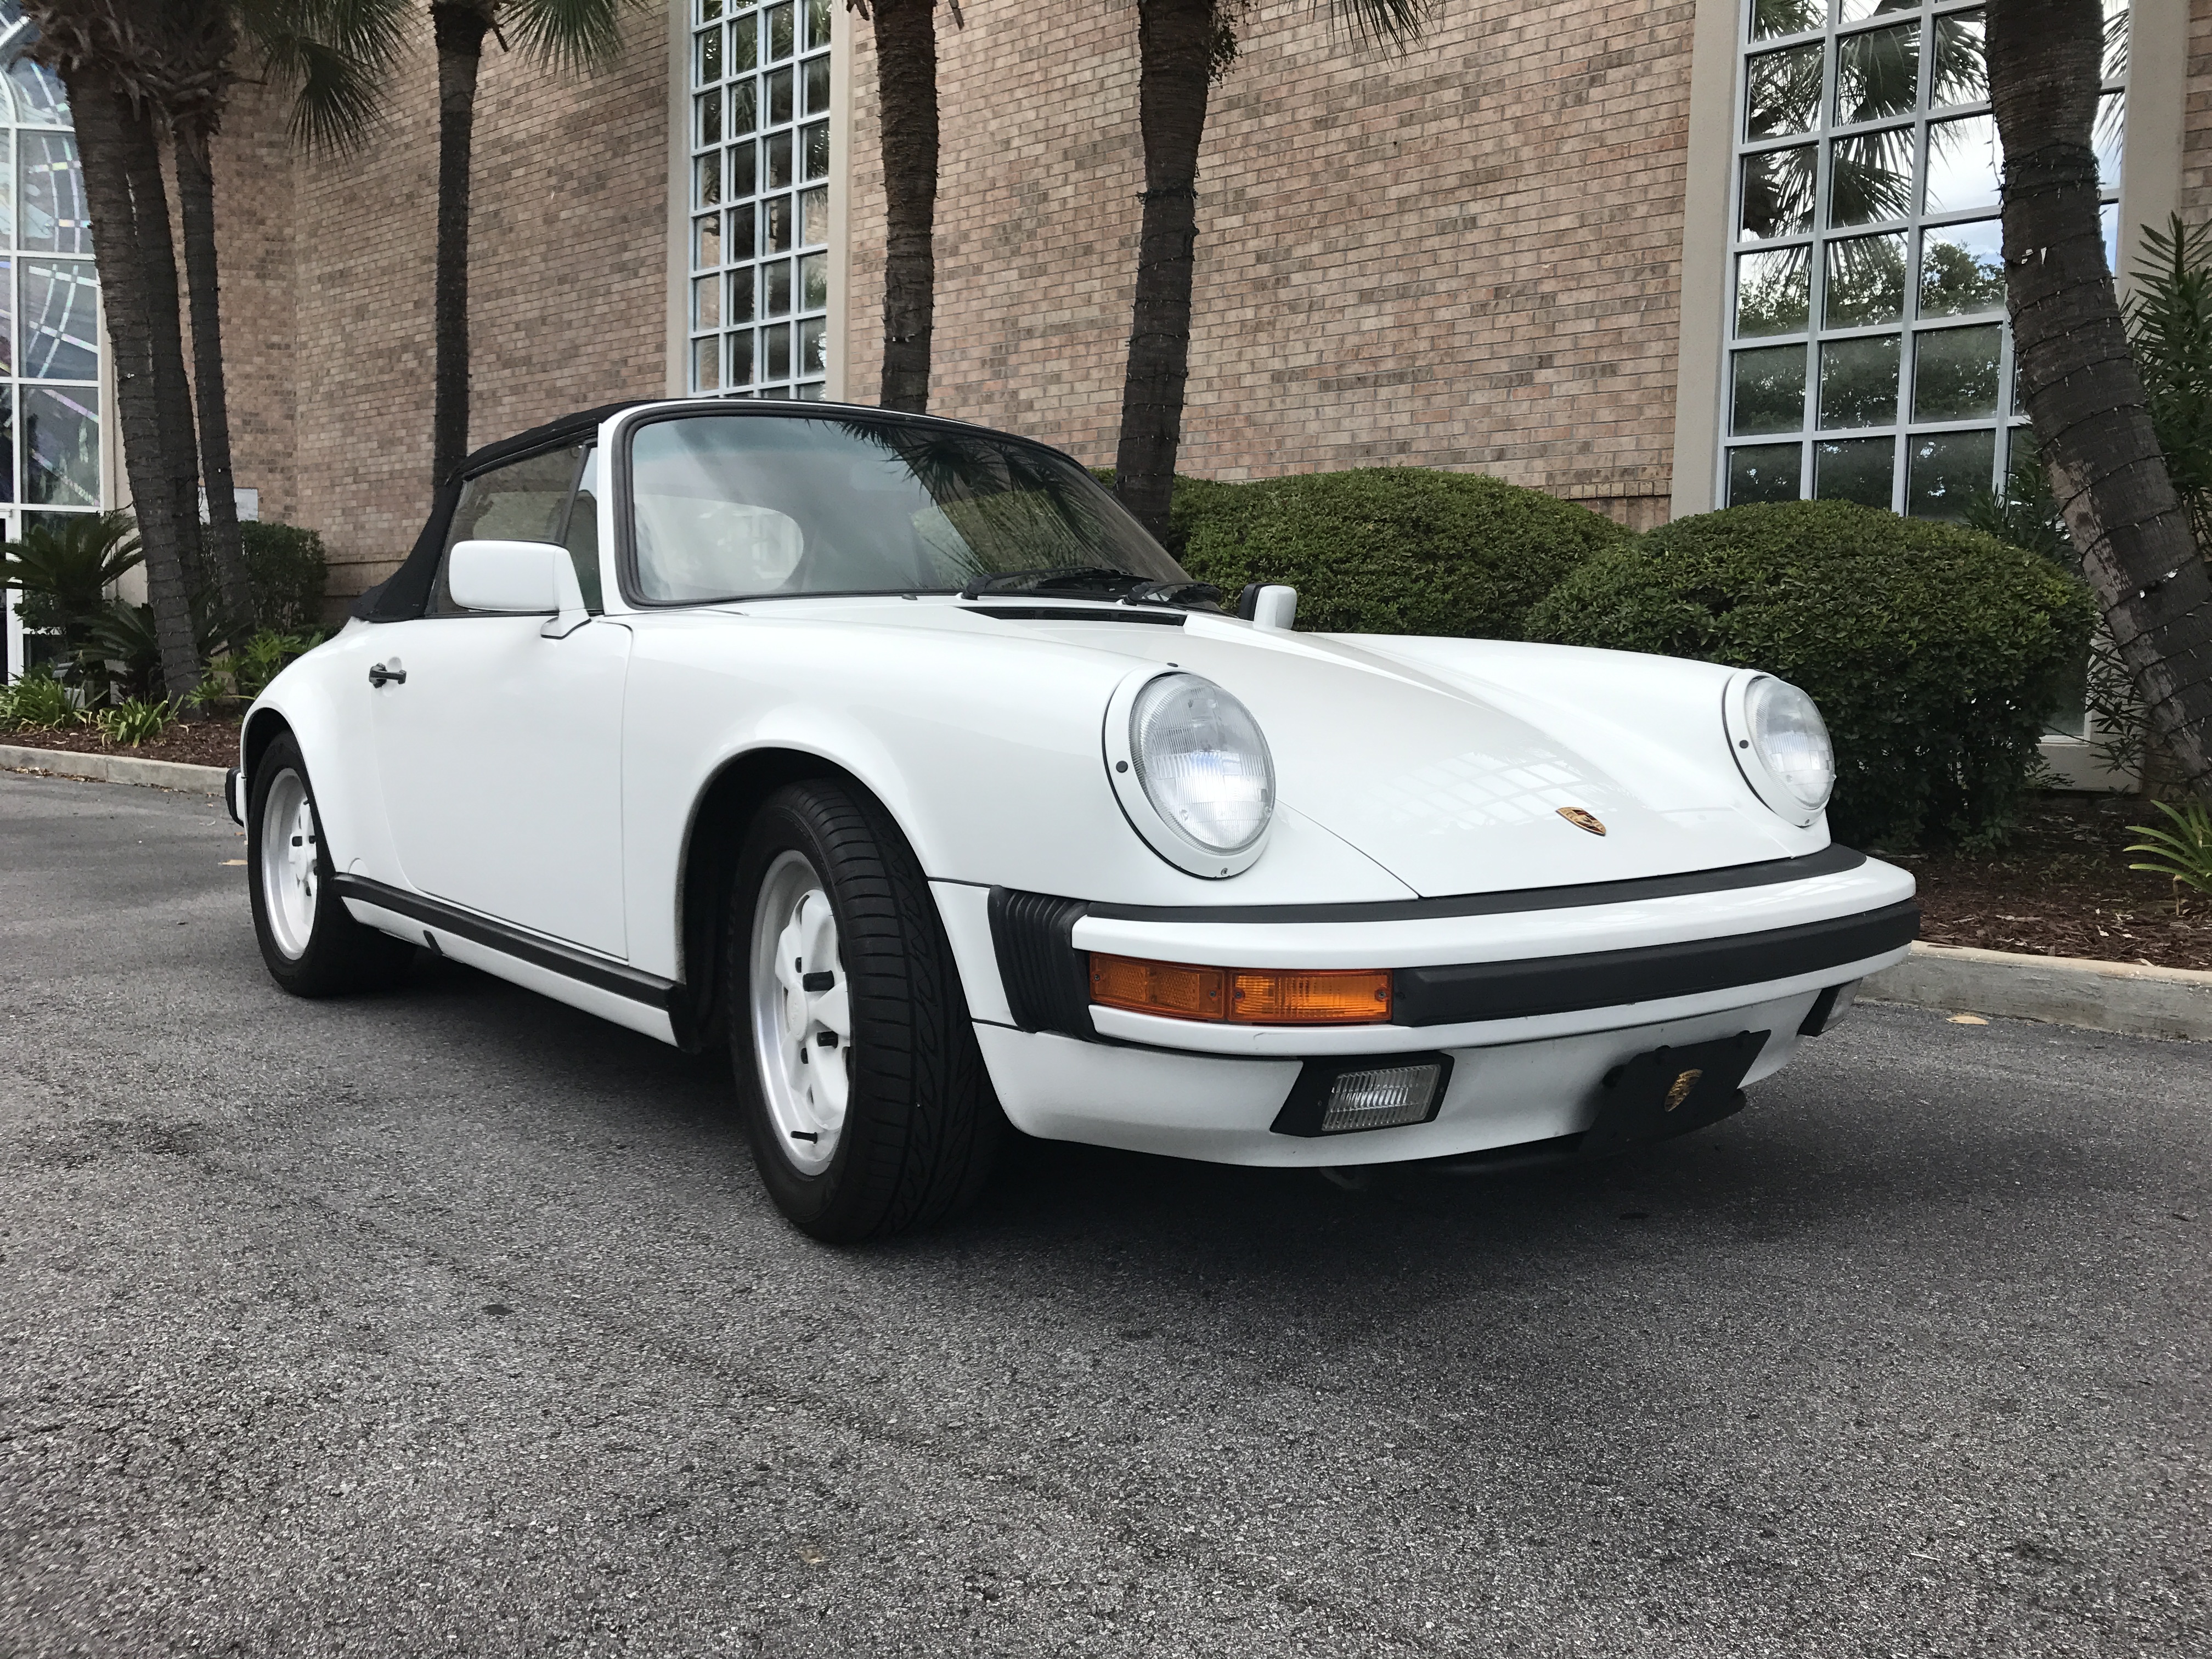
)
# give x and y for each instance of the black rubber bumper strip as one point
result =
(1606, 979)
(1828, 861)
(550, 954)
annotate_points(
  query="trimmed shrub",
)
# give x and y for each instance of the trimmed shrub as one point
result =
(286, 568)
(1390, 550)
(1936, 652)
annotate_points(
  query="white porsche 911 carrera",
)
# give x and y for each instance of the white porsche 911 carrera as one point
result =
(892, 753)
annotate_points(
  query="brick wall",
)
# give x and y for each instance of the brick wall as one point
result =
(1465, 257)
(2197, 118)
(327, 283)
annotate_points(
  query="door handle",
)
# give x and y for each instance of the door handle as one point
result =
(378, 674)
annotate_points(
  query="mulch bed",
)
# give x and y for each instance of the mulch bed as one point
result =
(2063, 888)
(197, 743)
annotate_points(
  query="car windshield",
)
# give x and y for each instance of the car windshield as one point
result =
(745, 506)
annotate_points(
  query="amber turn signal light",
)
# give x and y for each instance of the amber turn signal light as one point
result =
(1242, 996)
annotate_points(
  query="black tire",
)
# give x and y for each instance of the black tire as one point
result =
(339, 954)
(921, 1127)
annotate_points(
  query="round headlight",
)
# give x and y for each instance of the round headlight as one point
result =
(1202, 763)
(1791, 741)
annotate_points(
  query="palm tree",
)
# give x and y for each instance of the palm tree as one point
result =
(1183, 48)
(570, 35)
(105, 62)
(2093, 422)
(123, 62)
(906, 98)
(333, 54)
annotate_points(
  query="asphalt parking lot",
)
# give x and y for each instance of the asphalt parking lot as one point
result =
(451, 1321)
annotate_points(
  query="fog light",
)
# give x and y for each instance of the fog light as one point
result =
(1337, 1097)
(1380, 1099)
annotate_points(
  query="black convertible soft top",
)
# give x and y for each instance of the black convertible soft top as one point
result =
(402, 596)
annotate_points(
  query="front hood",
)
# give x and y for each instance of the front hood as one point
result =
(1452, 783)
(1452, 793)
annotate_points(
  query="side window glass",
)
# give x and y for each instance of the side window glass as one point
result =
(526, 500)
(582, 539)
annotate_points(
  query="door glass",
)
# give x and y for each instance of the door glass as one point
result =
(582, 539)
(526, 500)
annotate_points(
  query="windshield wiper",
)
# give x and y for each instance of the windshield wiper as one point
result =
(1062, 575)
(1106, 583)
(1183, 595)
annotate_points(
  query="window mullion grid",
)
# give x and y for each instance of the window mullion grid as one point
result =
(1736, 153)
(1908, 344)
(697, 209)
(1817, 288)
(1729, 298)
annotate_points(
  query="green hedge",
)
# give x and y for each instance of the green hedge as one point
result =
(286, 568)
(1936, 652)
(1390, 550)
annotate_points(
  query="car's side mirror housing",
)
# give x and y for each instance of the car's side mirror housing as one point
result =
(1268, 605)
(531, 578)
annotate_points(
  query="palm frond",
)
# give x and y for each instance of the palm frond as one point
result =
(573, 36)
(2182, 854)
(2169, 319)
(336, 56)
(1396, 24)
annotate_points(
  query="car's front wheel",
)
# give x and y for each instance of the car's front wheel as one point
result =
(863, 1093)
(312, 945)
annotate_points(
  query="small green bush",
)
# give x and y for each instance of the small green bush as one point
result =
(134, 720)
(1936, 652)
(286, 568)
(1391, 550)
(242, 675)
(41, 701)
(63, 568)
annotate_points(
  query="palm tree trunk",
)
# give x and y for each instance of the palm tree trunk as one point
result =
(2092, 423)
(459, 30)
(1175, 44)
(195, 208)
(165, 335)
(906, 88)
(101, 116)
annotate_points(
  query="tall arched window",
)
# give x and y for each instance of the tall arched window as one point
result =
(49, 291)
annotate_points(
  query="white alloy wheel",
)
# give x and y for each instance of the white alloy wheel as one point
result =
(802, 1017)
(289, 863)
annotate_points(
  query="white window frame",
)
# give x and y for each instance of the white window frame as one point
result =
(685, 327)
(100, 383)
(1902, 430)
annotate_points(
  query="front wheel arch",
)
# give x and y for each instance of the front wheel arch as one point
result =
(263, 727)
(720, 814)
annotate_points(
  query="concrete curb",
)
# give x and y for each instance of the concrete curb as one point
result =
(114, 768)
(2098, 996)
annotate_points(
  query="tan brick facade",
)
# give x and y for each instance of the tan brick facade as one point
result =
(1466, 257)
(2197, 118)
(1469, 256)
(327, 284)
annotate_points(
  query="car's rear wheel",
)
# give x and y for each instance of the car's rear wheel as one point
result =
(863, 1093)
(312, 946)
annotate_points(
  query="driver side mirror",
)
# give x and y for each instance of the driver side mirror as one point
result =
(517, 578)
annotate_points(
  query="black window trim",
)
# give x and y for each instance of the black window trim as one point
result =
(584, 442)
